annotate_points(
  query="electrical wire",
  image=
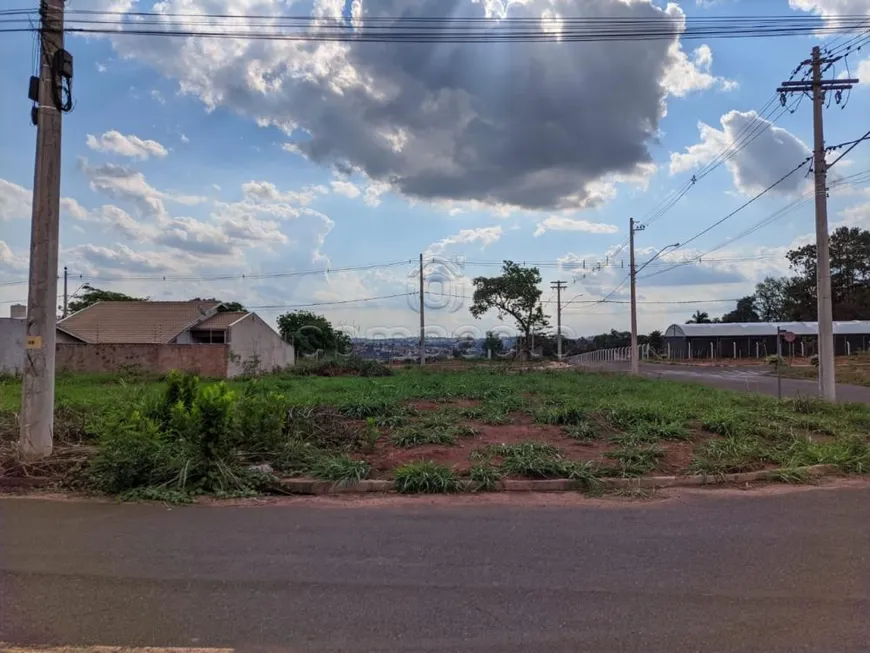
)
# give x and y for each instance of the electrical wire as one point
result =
(410, 29)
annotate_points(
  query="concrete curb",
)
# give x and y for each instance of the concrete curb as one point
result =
(309, 486)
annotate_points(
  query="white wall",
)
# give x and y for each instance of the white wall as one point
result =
(252, 339)
(12, 333)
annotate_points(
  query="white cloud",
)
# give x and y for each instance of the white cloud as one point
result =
(485, 236)
(14, 201)
(157, 96)
(562, 223)
(686, 75)
(114, 142)
(829, 8)
(123, 183)
(184, 139)
(345, 188)
(265, 191)
(769, 152)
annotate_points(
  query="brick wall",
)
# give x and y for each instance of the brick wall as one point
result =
(205, 360)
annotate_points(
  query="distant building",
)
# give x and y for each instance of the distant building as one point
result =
(158, 336)
(758, 339)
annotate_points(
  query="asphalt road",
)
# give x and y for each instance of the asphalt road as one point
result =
(711, 572)
(745, 379)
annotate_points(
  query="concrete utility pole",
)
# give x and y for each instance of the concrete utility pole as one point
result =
(65, 290)
(37, 404)
(422, 318)
(818, 88)
(558, 286)
(632, 227)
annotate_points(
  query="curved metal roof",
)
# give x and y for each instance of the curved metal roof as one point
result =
(761, 329)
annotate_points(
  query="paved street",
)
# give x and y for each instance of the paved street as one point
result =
(715, 571)
(744, 379)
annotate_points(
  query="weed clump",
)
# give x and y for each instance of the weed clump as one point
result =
(425, 477)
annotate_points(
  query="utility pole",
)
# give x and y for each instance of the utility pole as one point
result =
(558, 286)
(632, 272)
(818, 87)
(37, 404)
(422, 319)
(65, 290)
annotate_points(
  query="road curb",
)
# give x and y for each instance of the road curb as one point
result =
(310, 486)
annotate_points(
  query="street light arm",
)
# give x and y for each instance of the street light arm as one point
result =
(659, 253)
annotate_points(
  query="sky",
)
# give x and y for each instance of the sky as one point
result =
(287, 175)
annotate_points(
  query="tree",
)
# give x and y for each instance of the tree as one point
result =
(700, 317)
(492, 343)
(770, 299)
(310, 333)
(745, 311)
(514, 293)
(656, 341)
(225, 307)
(88, 295)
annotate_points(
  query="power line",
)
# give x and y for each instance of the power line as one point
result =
(741, 207)
(411, 29)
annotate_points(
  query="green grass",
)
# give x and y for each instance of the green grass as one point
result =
(292, 422)
(582, 431)
(485, 476)
(637, 460)
(425, 477)
(417, 435)
(342, 469)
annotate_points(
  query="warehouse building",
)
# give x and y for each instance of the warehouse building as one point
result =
(758, 339)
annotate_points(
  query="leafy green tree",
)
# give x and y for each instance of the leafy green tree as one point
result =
(225, 307)
(700, 317)
(514, 293)
(770, 299)
(656, 340)
(745, 311)
(310, 333)
(492, 343)
(88, 295)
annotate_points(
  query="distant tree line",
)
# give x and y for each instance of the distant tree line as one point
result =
(793, 298)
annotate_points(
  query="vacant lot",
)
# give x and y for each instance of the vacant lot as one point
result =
(428, 429)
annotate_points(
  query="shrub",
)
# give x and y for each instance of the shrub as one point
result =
(775, 361)
(134, 453)
(342, 469)
(814, 360)
(342, 366)
(425, 477)
(371, 435)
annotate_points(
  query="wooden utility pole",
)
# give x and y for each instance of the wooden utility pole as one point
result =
(37, 404)
(558, 286)
(818, 88)
(632, 272)
(422, 318)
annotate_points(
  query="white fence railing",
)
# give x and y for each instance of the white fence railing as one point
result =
(614, 355)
